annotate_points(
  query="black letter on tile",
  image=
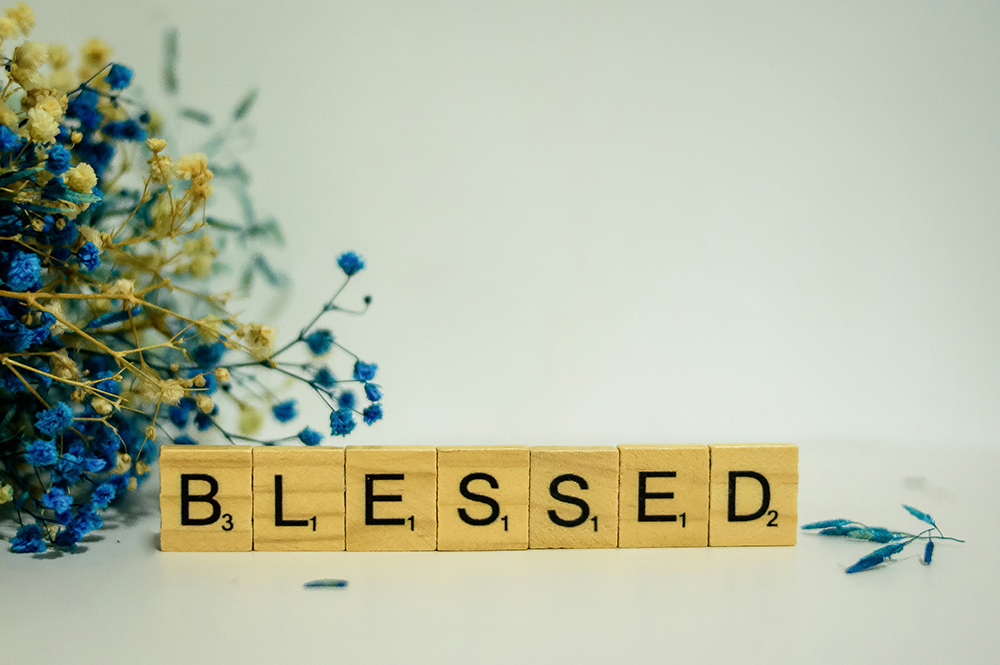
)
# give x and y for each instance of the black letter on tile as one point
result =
(565, 498)
(371, 498)
(481, 498)
(643, 495)
(279, 513)
(187, 499)
(765, 500)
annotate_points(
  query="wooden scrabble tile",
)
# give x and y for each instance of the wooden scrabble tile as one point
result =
(574, 497)
(753, 495)
(482, 498)
(298, 499)
(391, 498)
(206, 499)
(663, 496)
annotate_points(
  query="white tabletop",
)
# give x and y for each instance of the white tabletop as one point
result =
(122, 600)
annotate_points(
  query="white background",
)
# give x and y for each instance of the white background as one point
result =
(606, 223)
(628, 221)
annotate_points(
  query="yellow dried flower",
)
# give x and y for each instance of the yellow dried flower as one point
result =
(156, 145)
(59, 56)
(7, 117)
(8, 28)
(42, 127)
(78, 396)
(258, 338)
(31, 55)
(151, 432)
(95, 52)
(23, 17)
(102, 406)
(62, 80)
(141, 468)
(124, 463)
(250, 421)
(6, 494)
(191, 166)
(204, 403)
(199, 381)
(201, 266)
(81, 178)
(171, 391)
(62, 366)
(221, 374)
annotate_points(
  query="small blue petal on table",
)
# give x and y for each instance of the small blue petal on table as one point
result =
(920, 515)
(825, 524)
(325, 583)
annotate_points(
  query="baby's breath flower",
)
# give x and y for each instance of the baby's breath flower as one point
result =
(171, 391)
(23, 18)
(204, 403)
(95, 53)
(8, 28)
(81, 178)
(222, 375)
(156, 145)
(42, 127)
(59, 56)
(102, 406)
(31, 55)
(250, 421)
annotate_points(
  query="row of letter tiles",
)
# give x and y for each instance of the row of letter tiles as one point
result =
(421, 498)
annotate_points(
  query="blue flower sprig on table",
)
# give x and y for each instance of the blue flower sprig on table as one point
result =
(896, 540)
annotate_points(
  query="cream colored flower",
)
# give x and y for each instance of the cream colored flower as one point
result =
(62, 366)
(81, 178)
(31, 55)
(8, 28)
(6, 494)
(162, 213)
(161, 168)
(59, 56)
(250, 421)
(42, 127)
(171, 391)
(7, 116)
(102, 406)
(156, 145)
(95, 52)
(151, 432)
(124, 463)
(23, 17)
(257, 337)
(193, 165)
(222, 375)
(204, 403)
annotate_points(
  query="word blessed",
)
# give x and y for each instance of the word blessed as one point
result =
(241, 498)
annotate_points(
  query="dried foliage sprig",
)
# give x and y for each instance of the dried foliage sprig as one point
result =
(897, 540)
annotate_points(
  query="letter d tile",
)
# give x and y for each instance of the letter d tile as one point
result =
(753, 495)
(206, 498)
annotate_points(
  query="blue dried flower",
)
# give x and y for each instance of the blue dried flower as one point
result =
(342, 422)
(57, 499)
(208, 355)
(89, 256)
(128, 130)
(928, 551)
(180, 413)
(285, 411)
(103, 495)
(324, 379)
(346, 400)
(373, 413)
(51, 422)
(826, 524)
(28, 540)
(22, 271)
(184, 441)
(320, 341)
(920, 515)
(9, 140)
(374, 394)
(350, 263)
(310, 437)
(875, 558)
(41, 453)
(119, 77)
(58, 160)
(364, 371)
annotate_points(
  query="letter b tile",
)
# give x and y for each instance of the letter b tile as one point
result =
(206, 499)
(391, 498)
(753, 495)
